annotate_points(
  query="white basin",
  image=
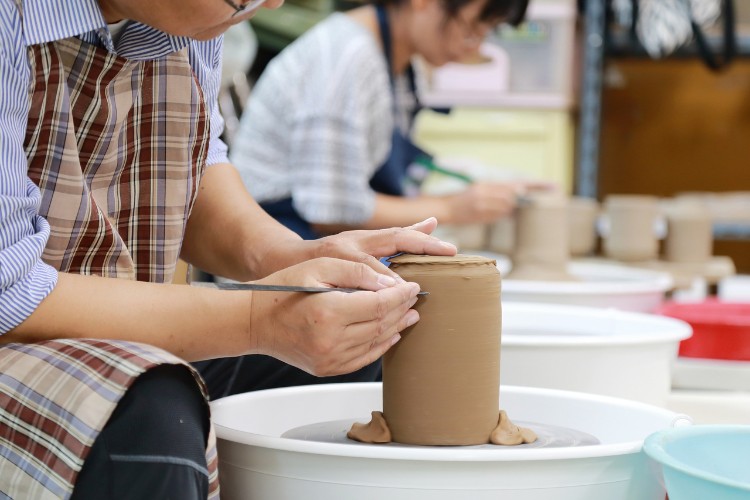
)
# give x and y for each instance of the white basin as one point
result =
(601, 351)
(257, 463)
(598, 285)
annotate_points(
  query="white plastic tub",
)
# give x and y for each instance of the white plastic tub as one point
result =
(598, 285)
(601, 351)
(257, 463)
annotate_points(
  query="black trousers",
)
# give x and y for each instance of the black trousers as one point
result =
(227, 376)
(154, 444)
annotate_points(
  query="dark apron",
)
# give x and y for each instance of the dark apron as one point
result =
(389, 178)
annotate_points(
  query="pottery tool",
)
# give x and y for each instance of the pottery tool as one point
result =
(427, 165)
(258, 287)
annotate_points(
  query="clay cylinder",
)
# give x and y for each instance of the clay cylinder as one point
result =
(582, 215)
(689, 235)
(542, 231)
(502, 236)
(441, 381)
(542, 249)
(631, 227)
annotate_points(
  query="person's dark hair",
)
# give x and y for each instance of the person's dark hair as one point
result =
(508, 11)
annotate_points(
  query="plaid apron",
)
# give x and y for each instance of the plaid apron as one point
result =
(117, 148)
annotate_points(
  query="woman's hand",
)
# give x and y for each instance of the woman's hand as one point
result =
(365, 246)
(334, 332)
(483, 202)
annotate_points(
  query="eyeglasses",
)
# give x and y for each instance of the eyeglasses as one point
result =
(245, 7)
(474, 32)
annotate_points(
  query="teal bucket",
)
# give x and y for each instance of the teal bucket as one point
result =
(703, 462)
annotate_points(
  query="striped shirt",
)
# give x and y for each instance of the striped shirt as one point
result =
(25, 280)
(318, 124)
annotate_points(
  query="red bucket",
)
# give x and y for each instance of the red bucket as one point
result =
(721, 330)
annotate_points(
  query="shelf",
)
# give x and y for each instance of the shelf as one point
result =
(509, 100)
(731, 230)
(621, 43)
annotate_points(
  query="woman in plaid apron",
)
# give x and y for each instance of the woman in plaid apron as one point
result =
(111, 169)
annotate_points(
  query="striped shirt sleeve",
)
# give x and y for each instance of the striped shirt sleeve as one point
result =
(24, 279)
(205, 58)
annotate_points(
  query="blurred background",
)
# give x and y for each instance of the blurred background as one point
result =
(574, 95)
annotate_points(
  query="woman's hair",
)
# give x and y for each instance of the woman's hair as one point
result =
(508, 11)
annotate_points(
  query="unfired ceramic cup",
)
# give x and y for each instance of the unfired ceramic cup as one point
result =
(631, 227)
(502, 235)
(582, 216)
(689, 234)
(541, 248)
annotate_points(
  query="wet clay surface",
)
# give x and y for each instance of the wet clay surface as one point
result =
(441, 380)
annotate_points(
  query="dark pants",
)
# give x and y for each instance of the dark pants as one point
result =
(227, 376)
(154, 444)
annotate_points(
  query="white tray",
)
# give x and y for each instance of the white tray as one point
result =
(711, 374)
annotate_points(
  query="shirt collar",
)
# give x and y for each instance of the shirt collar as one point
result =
(49, 20)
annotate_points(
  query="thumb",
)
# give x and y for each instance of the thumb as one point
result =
(347, 274)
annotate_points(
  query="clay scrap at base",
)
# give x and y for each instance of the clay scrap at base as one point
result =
(508, 434)
(377, 432)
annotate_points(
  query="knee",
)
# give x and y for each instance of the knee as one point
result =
(163, 413)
